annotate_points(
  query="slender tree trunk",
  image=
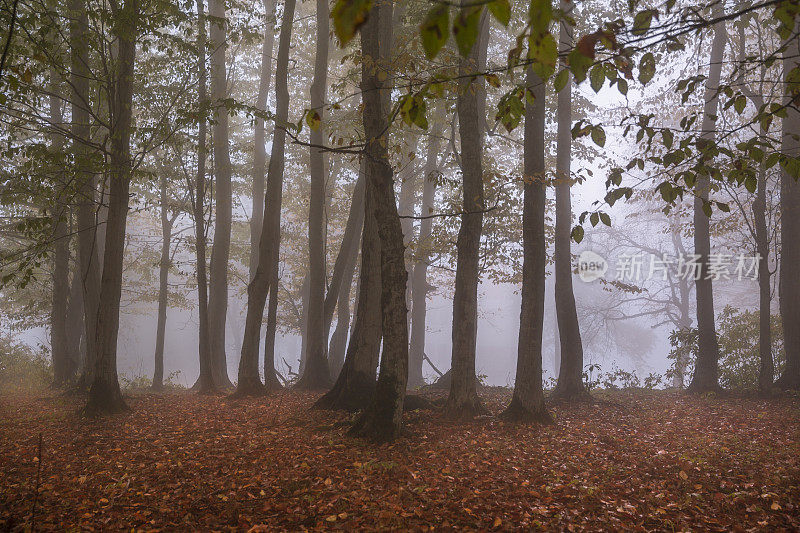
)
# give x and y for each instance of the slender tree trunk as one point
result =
(271, 381)
(206, 382)
(789, 289)
(105, 396)
(163, 288)
(304, 296)
(220, 249)
(570, 376)
(316, 374)
(463, 401)
(419, 276)
(89, 264)
(75, 329)
(259, 136)
(706, 369)
(338, 343)
(766, 370)
(249, 380)
(356, 381)
(348, 250)
(383, 418)
(527, 404)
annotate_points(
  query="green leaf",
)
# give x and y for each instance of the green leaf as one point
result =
(647, 68)
(707, 208)
(577, 234)
(725, 208)
(622, 85)
(605, 219)
(594, 219)
(501, 10)
(313, 119)
(668, 138)
(348, 16)
(465, 28)
(543, 51)
(540, 14)
(560, 81)
(492, 80)
(433, 30)
(740, 103)
(642, 21)
(599, 136)
(579, 64)
(597, 76)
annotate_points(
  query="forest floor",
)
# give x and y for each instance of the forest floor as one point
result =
(635, 460)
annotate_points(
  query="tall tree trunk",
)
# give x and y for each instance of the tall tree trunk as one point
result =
(249, 380)
(383, 418)
(570, 376)
(766, 370)
(206, 382)
(220, 249)
(163, 288)
(259, 136)
(419, 276)
(62, 371)
(706, 369)
(89, 264)
(527, 403)
(789, 289)
(463, 401)
(105, 396)
(316, 374)
(356, 381)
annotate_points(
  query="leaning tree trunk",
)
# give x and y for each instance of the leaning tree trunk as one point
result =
(463, 401)
(338, 344)
(527, 403)
(105, 396)
(89, 264)
(206, 383)
(316, 374)
(356, 381)
(419, 276)
(383, 418)
(249, 380)
(220, 249)
(789, 289)
(163, 288)
(706, 369)
(570, 376)
(259, 136)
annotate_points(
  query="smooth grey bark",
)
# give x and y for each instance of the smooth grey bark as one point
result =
(259, 135)
(570, 376)
(382, 420)
(75, 329)
(355, 384)
(463, 401)
(220, 249)
(88, 260)
(527, 403)
(206, 382)
(348, 250)
(706, 371)
(419, 275)
(163, 288)
(789, 288)
(249, 382)
(271, 381)
(105, 396)
(338, 343)
(316, 375)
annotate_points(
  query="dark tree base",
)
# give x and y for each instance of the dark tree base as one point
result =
(573, 393)
(249, 387)
(517, 412)
(788, 381)
(208, 388)
(464, 409)
(104, 400)
(443, 383)
(316, 377)
(272, 383)
(375, 428)
(353, 394)
(415, 401)
(157, 387)
(696, 387)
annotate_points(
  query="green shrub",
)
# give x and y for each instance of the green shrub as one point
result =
(22, 367)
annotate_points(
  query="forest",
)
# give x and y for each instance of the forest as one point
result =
(399, 264)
